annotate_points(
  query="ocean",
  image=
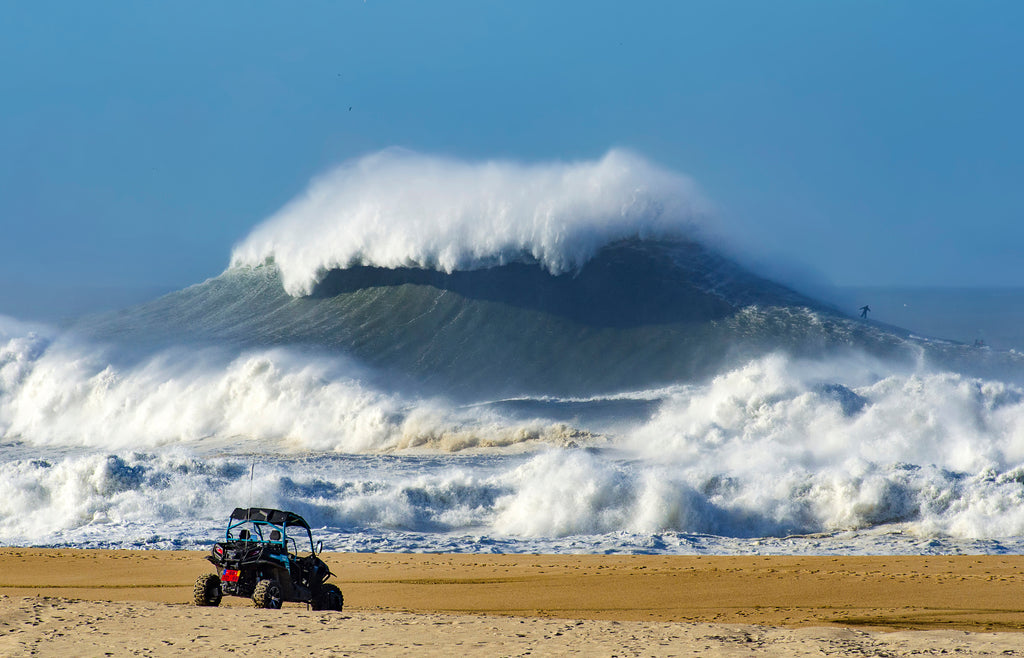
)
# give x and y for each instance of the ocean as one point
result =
(422, 354)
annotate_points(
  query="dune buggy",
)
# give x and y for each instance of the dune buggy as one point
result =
(254, 561)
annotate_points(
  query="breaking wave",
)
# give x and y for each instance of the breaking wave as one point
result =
(425, 354)
(67, 394)
(401, 209)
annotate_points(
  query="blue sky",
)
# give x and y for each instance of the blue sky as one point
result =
(873, 142)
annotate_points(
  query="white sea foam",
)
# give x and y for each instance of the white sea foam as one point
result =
(556, 499)
(783, 441)
(401, 209)
(813, 414)
(70, 393)
(102, 451)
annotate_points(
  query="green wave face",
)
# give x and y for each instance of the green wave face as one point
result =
(639, 315)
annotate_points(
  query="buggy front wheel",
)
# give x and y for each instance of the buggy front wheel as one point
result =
(206, 591)
(267, 595)
(330, 598)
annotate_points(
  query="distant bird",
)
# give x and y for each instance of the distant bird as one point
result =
(349, 108)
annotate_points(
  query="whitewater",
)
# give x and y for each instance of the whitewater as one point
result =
(421, 353)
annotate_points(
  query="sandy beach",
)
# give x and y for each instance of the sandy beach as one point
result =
(94, 602)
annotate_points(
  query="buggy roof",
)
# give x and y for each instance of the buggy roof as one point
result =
(267, 515)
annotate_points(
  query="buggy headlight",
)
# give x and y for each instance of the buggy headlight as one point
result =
(218, 550)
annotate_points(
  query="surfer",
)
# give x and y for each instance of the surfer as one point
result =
(864, 311)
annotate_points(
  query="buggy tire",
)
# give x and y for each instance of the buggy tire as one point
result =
(267, 595)
(330, 598)
(206, 591)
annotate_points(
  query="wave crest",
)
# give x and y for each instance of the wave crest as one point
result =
(397, 208)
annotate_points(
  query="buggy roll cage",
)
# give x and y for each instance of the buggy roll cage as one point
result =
(272, 520)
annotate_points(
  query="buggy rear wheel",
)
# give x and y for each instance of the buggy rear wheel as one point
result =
(267, 595)
(206, 591)
(330, 598)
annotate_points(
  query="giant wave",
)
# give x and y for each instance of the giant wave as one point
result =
(425, 354)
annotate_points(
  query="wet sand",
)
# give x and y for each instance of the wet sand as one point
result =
(122, 601)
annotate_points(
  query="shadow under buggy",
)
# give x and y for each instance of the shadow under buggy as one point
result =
(254, 561)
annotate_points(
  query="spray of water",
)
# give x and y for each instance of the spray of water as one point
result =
(401, 209)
